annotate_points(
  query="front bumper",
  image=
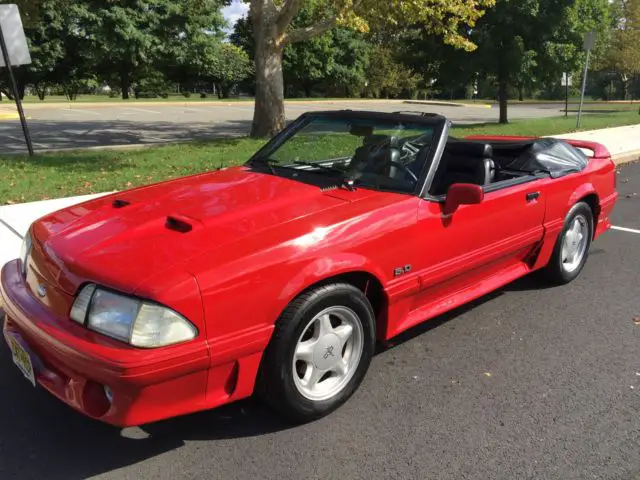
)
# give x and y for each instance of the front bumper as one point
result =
(75, 364)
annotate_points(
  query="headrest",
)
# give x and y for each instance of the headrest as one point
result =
(381, 141)
(471, 149)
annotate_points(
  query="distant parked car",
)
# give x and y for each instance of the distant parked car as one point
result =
(278, 276)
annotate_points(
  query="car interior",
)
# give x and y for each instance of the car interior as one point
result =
(462, 161)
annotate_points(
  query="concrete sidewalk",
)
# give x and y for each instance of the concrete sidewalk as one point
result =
(622, 142)
(16, 219)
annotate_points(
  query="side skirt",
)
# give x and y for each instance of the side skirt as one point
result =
(469, 293)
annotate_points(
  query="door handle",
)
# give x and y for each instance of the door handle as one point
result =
(531, 196)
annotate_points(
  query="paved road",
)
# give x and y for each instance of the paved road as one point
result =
(529, 382)
(87, 126)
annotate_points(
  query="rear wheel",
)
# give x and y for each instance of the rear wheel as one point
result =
(319, 353)
(572, 247)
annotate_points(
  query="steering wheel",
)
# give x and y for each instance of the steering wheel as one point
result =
(404, 168)
(409, 149)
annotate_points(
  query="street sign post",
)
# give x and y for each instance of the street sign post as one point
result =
(589, 40)
(566, 83)
(15, 52)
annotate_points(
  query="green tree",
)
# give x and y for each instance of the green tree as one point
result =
(351, 60)
(231, 67)
(130, 37)
(305, 64)
(386, 76)
(29, 10)
(564, 53)
(273, 32)
(334, 62)
(624, 54)
(513, 36)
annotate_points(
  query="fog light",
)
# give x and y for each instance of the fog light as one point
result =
(108, 393)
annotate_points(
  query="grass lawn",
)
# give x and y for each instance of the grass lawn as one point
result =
(24, 179)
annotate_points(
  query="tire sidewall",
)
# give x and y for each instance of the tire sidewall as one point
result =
(341, 295)
(579, 208)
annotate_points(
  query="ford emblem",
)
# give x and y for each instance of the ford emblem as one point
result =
(41, 290)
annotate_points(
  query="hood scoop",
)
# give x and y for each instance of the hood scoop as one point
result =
(119, 203)
(178, 223)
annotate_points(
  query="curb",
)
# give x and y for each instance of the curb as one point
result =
(626, 157)
(448, 104)
(9, 116)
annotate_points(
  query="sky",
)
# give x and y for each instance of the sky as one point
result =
(235, 11)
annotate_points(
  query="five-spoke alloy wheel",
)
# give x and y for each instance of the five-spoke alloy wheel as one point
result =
(327, 353)
(319, 353)
(572, 247)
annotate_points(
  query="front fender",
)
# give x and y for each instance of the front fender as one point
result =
(321, 269)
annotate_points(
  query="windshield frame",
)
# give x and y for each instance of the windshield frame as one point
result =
(438, 123)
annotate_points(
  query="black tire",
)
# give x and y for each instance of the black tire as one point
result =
(557, 271)
(276, 384)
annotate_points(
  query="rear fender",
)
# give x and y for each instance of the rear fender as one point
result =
(582, 191)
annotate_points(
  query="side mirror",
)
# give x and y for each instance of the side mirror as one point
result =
(462, 194)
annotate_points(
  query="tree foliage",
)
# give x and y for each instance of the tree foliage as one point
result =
(273, 29)
(624, 54)
(139, 46)
(515, 38)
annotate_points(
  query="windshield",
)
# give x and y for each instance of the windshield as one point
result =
(371, 152)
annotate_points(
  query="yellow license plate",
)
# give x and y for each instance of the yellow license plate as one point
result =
(22, 359)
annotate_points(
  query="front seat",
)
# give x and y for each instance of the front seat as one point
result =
(375, 156)
(464, 162)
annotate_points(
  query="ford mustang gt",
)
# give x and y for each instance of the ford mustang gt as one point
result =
(278, 277)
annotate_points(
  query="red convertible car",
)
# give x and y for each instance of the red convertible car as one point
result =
(279, 276)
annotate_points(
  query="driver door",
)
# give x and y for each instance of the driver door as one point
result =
(478, 247)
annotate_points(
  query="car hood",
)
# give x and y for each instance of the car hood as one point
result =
(123, 239)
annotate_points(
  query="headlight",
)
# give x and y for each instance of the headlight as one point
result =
(24, 252)
(131, 320)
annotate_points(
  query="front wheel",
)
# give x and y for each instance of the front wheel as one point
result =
(572, 247)
(319, 353)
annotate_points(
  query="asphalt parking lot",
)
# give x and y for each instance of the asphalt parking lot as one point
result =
(79, 126)
(528, 382)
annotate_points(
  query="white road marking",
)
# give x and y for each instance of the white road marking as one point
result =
(624, 229)
(82, 111)
(143, 110)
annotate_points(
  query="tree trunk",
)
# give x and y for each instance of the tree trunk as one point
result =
(503, 97)
(41, 90)
(521, 92)
(268, 115)
(125, 85)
